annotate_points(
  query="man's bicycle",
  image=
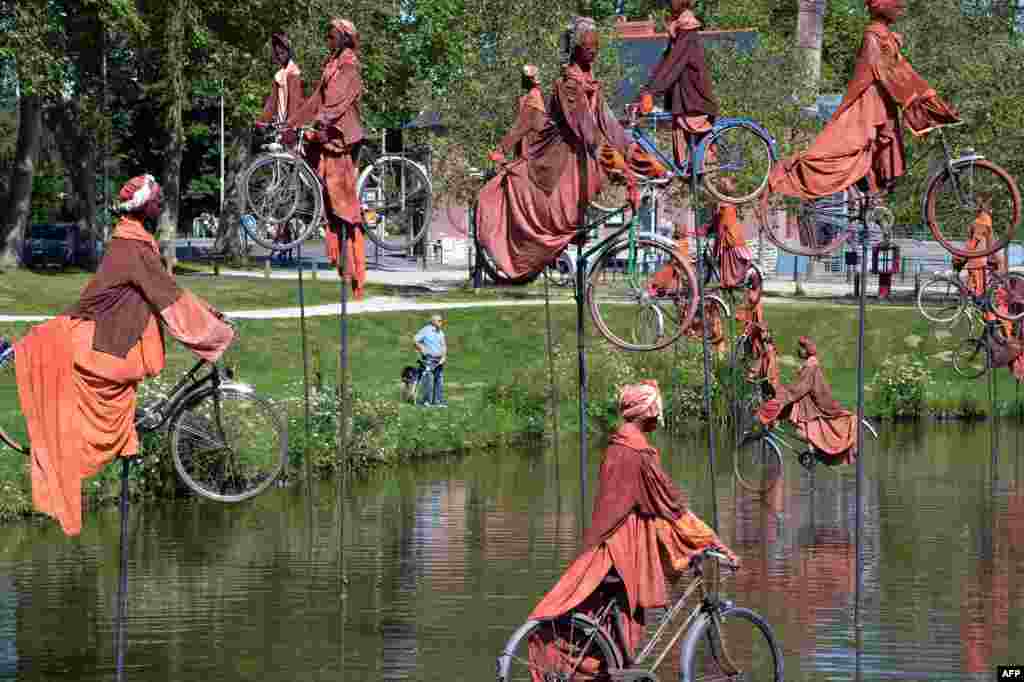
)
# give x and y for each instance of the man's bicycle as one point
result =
(952, 195)
(719, 639)
(280, 188)
(227, 443)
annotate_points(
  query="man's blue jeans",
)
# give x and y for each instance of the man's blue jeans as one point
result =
(432, 382)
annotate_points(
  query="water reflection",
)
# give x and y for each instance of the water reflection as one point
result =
(443, 560)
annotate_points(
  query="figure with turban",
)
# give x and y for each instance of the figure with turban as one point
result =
(730, 245)
(808, 404)
(530, 119)
(334, 107)
(682, 77)
(533, 208)
(77, 373)
(286, 90)
(641, 531)
(863, 142)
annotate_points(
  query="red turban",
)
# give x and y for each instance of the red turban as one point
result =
(141, 194)
(808, 345)
(875, 5)
(640, 401)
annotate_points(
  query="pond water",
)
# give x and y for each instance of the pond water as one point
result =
(424, 572)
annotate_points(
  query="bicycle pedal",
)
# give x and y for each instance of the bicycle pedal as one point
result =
(632, 675)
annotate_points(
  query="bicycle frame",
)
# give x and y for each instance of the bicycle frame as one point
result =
(708, 602)
(167, 406)
(699, 150)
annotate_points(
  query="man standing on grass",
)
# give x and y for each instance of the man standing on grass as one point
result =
(430, 343)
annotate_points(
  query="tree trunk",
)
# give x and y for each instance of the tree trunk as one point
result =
(238, 157)
(810, 25)
(174, 74)
(19, 197)
(78, 153)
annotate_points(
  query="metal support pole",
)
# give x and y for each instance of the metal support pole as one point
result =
(704, 334)
(553, 388)
(306, 471)
(859, 530)
(343, 392)
(122, 582)
(581, 268)
(478, 274)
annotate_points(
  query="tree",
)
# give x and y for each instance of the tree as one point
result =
(810, 27)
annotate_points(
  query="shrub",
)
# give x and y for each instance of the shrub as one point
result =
(900, 388)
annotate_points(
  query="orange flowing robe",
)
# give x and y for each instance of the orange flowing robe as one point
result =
(734, 256)
(77, 374)
(336, 102)
(640, 527)
(530, 211)
(863, 138)
(285, 98)
(817, 416)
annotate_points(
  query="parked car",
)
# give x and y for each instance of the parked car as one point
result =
(51, 244)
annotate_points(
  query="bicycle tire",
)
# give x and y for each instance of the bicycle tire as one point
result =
(1005, 208)
(749, 185)
(496, 275)
(412, 207)
(304, 219)
(512, 664)
(9, 385)
(965, 357)
(272, 202)
(191, 422)
(682, 301)
(807, 218)
(704, 632)
(935, 302)
(763, 449)
(1011, 286)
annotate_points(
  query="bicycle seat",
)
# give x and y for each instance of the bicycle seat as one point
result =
(273, 147)
(611, 579)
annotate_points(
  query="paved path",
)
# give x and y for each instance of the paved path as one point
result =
(380, 304)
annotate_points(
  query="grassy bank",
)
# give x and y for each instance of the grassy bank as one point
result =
(497, 380)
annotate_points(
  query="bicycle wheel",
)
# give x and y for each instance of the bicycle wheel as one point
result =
(942, 299)
(269, 187)
(972, 358)
(228, 444)
(12, 424)
(757, 463)
(567, 648)
(740, 154)
(627, 278)
(952, 201)
(739, 646)
(396, 196)
(495, 274)
(810, 228)
(306, 215)
(1006, 296)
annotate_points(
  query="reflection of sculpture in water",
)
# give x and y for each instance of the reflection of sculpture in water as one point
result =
(808, 404)
(641, 531)
(988, 596)
(863, 140)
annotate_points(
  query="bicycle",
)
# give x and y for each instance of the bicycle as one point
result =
(972, 356)
(953, 193)
(758, 460)
(227, 443)
(280, 188)
(945, 298)
(721, 639)
(738, 148)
